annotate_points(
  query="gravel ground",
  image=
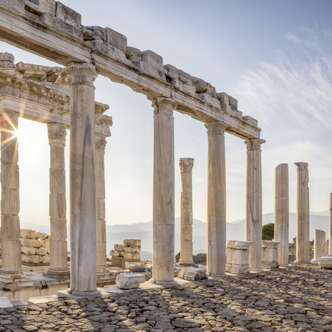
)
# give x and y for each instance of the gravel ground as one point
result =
(292, 299)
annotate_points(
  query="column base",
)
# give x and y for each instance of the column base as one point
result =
(57, 274)
(78, 294)
(184, 264)
(164, 284)
(10, 276)
(256, 270)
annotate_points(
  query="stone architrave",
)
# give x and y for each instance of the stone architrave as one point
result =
(281, 231)
(186, 251)
(57, 206)
(319, 245)
(100, 205)
(10, 197)
(216, 257)
(163, 193)
(254, 203)
(82, 181)
(302, 236)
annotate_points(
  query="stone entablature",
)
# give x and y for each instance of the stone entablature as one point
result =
(55, 31)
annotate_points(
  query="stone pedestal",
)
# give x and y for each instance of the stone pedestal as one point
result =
(10, 198)
(238, 257)
(82, 181)
(319, 246)
(302, 236)
(254, 203)
(129, 280)
(186, 250)
(216, 257)
(270, 254)
(281, 229)
(163, 193)
(57, 205)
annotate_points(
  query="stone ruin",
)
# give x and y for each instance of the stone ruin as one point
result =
(125, 254)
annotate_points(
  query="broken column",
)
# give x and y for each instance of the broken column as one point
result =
(57, 204)
(254, 203)
(281, 229)
(82, 181)
(319, 245)
(302, 236)
(270, 254)
(163, 193)
(330, 229)
(186, 251)
(216, 257)
(10, 197)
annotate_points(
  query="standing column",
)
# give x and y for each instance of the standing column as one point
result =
(163, 193)
(57, 207)
(302, 237)
(254, 203)
(100, 204)
(10, 199)
(82, 181)
(216, 258)
(186, 251)
(330, 238)
(281, 231)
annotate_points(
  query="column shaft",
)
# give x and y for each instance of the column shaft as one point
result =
(82, 181)
(216, 259)
(186, 251)
(57, 207)
(254, 203)
(302, 236)
(100, 205)
(281, 231)
(330, 238)
(163, 193)
(10, 195)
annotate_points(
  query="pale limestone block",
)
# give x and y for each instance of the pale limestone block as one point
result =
(192, 273)
(325, 262)
(319, 246)
(129, 280)
(68, 15)
(238, 256)
(270, 254)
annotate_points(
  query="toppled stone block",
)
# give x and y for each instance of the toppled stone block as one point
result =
(135, 266)
(68, 15)
(325, 262)
(192, 273)
(129, 280)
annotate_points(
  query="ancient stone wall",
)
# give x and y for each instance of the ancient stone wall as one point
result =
(129, 251)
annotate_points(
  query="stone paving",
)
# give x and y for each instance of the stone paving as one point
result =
(292, 299)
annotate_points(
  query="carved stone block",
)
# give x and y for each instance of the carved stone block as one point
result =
(68, 15)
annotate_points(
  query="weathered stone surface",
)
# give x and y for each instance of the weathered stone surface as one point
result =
(237, 257)
(129, 280)
(319, 246)
(270, 254)
(192, 273)
(325, 262)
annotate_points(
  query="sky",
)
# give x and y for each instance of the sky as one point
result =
(275, 57)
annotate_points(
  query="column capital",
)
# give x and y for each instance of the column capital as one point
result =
(254, 143)
(215, 127)
(101, 142)
(186, 164)
(301, 165)
(82, 73)
(56, 133)
(163, 104)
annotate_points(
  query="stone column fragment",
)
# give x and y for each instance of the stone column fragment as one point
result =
(302, 236)
(10, 196)
(163, 193)
(281, 231)
(319, 245)
(57, 208)
(216, 258)
(330, 230)
(186, 251)
(254, 203)
(82, 181)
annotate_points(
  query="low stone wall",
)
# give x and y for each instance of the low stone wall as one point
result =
(35, 248)
(129, 251)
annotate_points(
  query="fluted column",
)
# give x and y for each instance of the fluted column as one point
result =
(330, 230)
(82, 181)
(163, 193)
(186, 251)
(10, 196)
(216, 258)
(254, 203)
(57, 205)
(302, 236)
(281, 231)
(100, 204)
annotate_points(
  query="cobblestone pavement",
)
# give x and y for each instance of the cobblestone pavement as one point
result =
(292, 299)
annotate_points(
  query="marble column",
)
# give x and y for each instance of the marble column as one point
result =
(281, 227)
(254, 203)
(82, 181)
(10, 197)
(57, 204)
(163, 193)
(302, 236)
(330, 238)
(319, 245)
(186, 251)
(100, 204)
(216, 257)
